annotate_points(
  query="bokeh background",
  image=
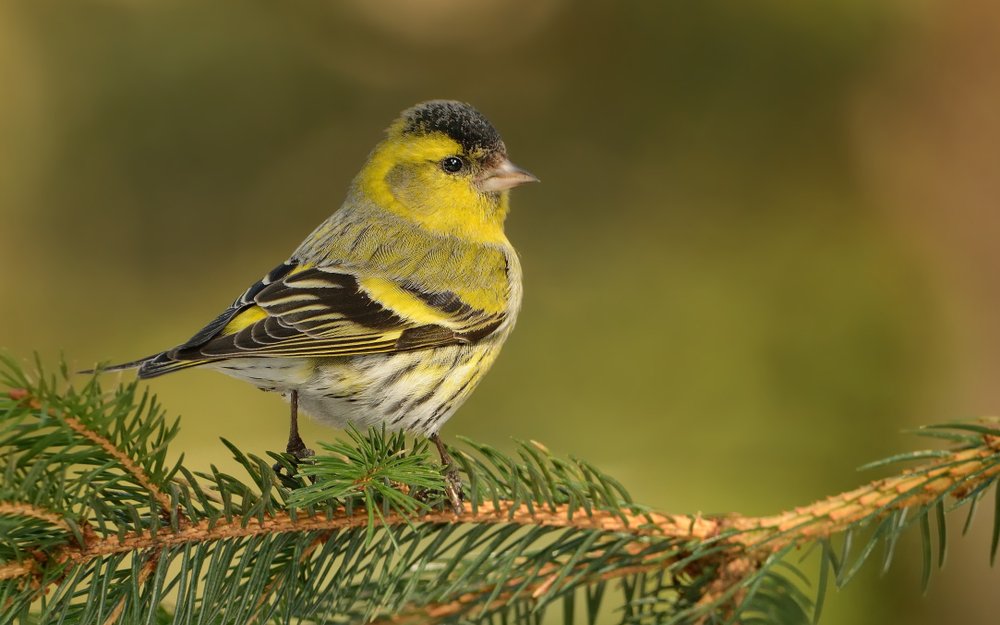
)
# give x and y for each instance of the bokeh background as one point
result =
(765, 242)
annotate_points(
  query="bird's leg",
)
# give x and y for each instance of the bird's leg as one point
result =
(295, 445)
(452, 480)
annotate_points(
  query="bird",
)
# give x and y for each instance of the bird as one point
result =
(391, 311)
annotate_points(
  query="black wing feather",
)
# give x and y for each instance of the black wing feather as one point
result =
(319, 312)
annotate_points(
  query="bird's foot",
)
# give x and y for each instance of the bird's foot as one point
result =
(297, 450)
(453, 489)
(452, 478)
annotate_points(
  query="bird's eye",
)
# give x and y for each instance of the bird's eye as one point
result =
(452, 164)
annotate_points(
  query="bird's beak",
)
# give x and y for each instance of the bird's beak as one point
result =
(506, 175)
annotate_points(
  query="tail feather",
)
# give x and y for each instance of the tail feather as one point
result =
(150, 366)
(163, 363)
(125, 366)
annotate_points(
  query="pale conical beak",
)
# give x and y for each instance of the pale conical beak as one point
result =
(506, 175)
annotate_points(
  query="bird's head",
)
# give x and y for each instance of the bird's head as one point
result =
(444, 166)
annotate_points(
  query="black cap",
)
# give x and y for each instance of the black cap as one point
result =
(458, 120)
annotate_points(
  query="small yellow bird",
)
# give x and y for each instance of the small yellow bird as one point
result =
(392, 310)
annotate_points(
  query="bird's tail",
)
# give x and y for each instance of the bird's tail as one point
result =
(150, 366)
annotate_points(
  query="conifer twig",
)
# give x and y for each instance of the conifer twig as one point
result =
(84, 508)
(123, 459)
(759, 537)
(8, 508)
(766, 534)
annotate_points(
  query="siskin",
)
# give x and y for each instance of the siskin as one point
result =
(392, 310)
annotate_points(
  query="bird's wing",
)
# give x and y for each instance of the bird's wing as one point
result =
(298, 311)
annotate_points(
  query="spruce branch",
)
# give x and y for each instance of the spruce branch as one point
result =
(98, 527)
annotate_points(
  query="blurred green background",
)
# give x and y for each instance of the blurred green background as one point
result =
(765, 242)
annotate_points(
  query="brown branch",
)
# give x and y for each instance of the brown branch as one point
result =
(958, 472)
(731, 570)
(273, 584)
(468, 601)
(126, 463)
(152, 559)
(758, 537)
(16, 508)
(282, 522)
(771, 533)
(750, 539)
(123, 459)
(16, 570)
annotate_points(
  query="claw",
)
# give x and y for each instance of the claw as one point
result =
(298, 449)
(453, 488)
(452, 478)
(297, 455)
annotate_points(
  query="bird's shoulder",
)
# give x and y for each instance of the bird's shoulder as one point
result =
(379, 247)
